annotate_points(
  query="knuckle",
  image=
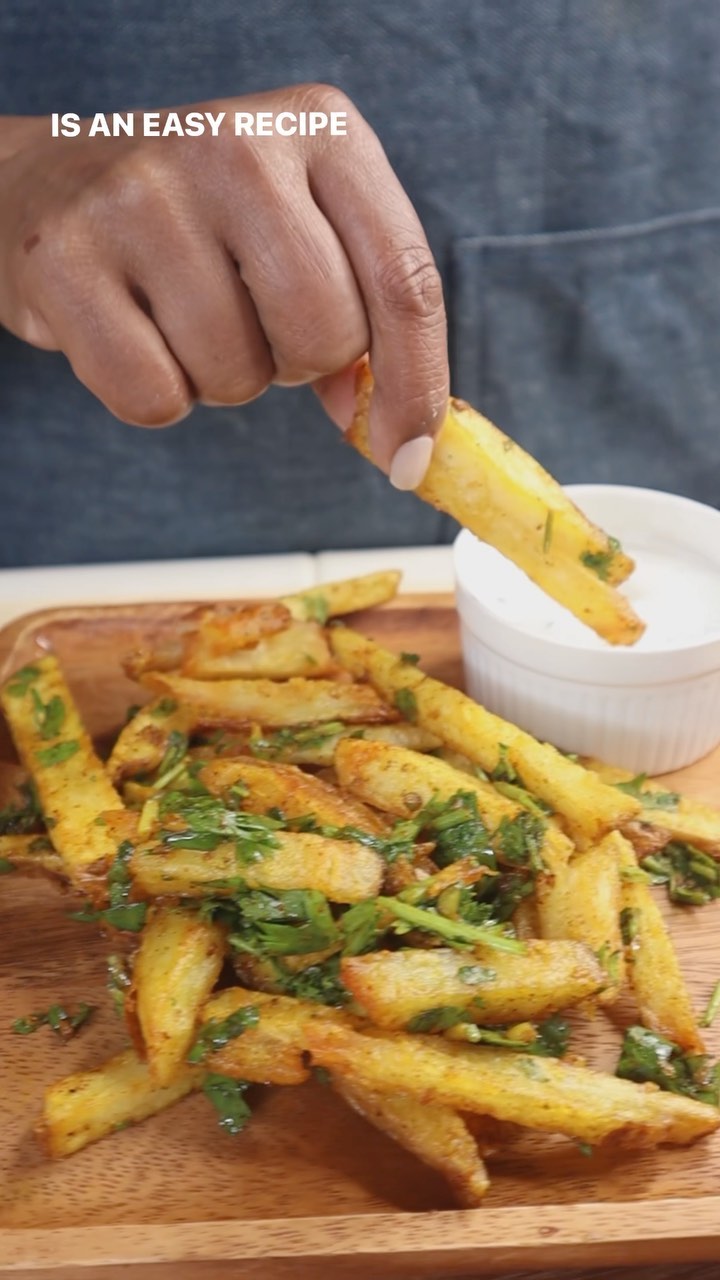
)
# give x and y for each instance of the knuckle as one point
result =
(409, 284)
(323, 97)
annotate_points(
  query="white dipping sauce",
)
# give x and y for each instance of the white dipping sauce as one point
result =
(673, 589)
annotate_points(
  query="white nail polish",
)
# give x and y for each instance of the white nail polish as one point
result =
(410, 463)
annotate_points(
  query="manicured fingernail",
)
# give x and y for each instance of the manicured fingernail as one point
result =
(410, 463)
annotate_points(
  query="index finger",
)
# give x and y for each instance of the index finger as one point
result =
(355, 186)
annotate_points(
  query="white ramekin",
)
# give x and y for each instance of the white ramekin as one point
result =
(651, 708)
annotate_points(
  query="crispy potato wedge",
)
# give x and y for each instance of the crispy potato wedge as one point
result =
(400, 782)
(73, 788)
(493, 988)
(297, 794)
(331, 599)
(492, 487)
(31, 855)
(300, 650)
(311, 747)
(227, 628)
(589, 808)
(235, 704)
(274, 1051)
(583, 901)
(176, 967)
(538, 1093)
(688, 820)
(88, 1105)
(437, 1135)
(141, 745)
(341, 869)
(652, 962)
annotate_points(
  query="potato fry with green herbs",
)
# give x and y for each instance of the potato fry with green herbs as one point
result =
(588, 806)
(300, 650)
(143, 742)
(665, 813)
(176, 967)
(538, 1093)
(235, 704)
(30, 855)
(297, 794)
(331, 599)
(492, 989)
(492, 487)
(73, 787)
(274, 1051)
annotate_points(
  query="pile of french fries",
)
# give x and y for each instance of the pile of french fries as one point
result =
(315, 858)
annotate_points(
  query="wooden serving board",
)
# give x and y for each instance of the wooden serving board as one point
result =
(309, 1189)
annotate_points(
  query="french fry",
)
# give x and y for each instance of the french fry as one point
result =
(297, 794)
(437, 1135)
(538, 1093)
(331, 599)
(73, 788)
(88, 1105)
(400, 782)
(588, 806)
(226, 628)
(492, 988)
(308, 747)
(234, 704)
(31, 855)
(176, 967)
(141, 745)
(583, 901)
(300, 650)
(687, 820)
(653, 966)
(492, 487)
(274, 1050)
(341, 869)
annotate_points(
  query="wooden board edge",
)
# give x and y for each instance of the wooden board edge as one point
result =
(599, 1233)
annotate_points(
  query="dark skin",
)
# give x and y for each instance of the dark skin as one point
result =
(177, 270)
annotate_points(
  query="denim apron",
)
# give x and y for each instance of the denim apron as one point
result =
(564, 158)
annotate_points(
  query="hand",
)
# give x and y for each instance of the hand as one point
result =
(183, 269)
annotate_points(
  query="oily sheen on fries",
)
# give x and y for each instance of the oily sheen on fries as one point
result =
(548, 1095)
(490, 485)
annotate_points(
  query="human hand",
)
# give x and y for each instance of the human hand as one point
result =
(170, 270)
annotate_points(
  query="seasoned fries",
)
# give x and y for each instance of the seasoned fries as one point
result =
(413, 927)
(489, 484)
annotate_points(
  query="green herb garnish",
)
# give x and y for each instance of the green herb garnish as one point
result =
(228, 1098)
(58, 753)
(210, 822)
(49, 716)
(118, 982)
(21, 681)
(440, 1019)
(319, 983)
(629, 924)
(601, 561)
(692, 877)
(64, 1022)
(165, 707)
(456, 932)
(121, 913)
(649, 799)
(406, 703)
(305, 737)
(410, 659)
(218, 1032)
(278, 923)
(18, 819)
(317, 608)
(646, 1056)
(713, 1008)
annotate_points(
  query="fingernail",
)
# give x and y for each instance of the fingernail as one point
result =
(410, 463)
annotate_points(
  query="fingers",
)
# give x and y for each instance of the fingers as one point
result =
(336, 393)
(117, 352)
(362, 198)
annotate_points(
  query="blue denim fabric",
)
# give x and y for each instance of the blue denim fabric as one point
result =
(565, 161)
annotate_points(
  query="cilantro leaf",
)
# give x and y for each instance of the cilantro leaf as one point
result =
(227, 1096)
(406, 703)
(58, 753)
(218, 1032)
(692, 877)
(646, 1056)
(601, 561)
(20, 682)
(49, 716)
(64, 1022)
(650, 799)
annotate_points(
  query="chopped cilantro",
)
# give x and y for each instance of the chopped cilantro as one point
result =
(406, 703)
(49, 716)
(629, 925)
(713, 1008)
(270, 746)
(504, 771)
(319, 983)
(120, 913)
(18, 819)
(218, 1032)
(648, 1056)
(692, 877)
(518, 841)
(210, 822)
(21, 681)
(456, 932)
(282, 922)
(440, 1019)
(64, 1022)
(58, 753)
(317, 608)
(227, 1096)
(601, 561)
(410, 659)
(165, 707)
(650, 799)
(362, 926)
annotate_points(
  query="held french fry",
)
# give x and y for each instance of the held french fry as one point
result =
(234, 704)
(341, 869)
(652, 962)
(492, 487)
(176, 968)
(436, 1135)
(331, 599)
(72, 785)
(538, 1093)
(492, 988)
(587, 806)
(90, 1104)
